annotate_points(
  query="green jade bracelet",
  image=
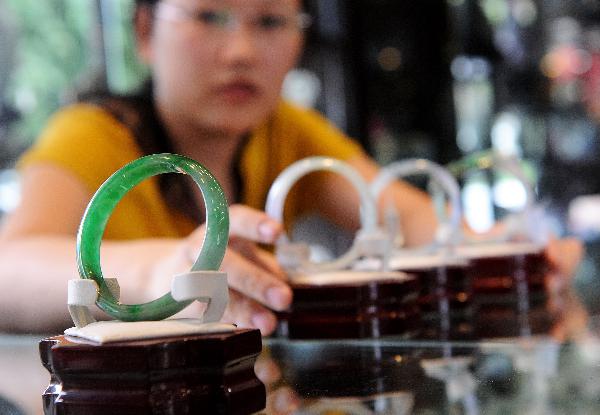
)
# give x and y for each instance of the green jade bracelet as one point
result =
(100, 208)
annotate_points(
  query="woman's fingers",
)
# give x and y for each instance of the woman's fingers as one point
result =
(245, 312)
(245, 223)
(194, 242)
(252, 224)
(269, 262)
(565, 255)
(253, 275)
(255, 282)
(260, 257)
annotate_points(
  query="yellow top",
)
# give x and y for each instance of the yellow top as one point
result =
(90, 143)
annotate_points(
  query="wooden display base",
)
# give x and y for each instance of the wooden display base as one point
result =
(362, 310)
(501, 274)
(495, 320)
(208, 373)
(446, 302)
(510, 295)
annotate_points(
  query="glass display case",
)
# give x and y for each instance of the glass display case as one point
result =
(554, 372)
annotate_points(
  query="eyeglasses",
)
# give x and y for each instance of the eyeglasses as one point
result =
(212, 19)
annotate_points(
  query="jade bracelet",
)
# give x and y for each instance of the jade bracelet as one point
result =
(89, 237)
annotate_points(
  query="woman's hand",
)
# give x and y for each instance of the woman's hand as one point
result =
(257, 283)
(564, 255)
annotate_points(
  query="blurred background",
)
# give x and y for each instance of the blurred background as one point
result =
(438, 79)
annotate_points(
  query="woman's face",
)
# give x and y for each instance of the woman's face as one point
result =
(219, 64)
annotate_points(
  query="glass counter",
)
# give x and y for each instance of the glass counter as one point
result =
(552, 373)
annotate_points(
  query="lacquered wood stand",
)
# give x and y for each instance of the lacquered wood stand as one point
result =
(446, 302)
(199, 374)
(162, 368)
(364, 310)
(510, 295)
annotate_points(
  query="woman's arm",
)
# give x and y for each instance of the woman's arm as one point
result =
(417, 215)
(37, 258)
(34, 271)
(339, 200)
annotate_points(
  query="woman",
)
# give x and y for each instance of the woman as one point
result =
(217, 68)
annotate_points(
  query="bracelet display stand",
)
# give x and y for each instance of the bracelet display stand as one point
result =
(509, 289)
(141, 363)
(509, 271)
(445, 298)
(352, 305)
(330, 299)
(201, 373)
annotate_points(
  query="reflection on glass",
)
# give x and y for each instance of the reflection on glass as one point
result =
(8, 408)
